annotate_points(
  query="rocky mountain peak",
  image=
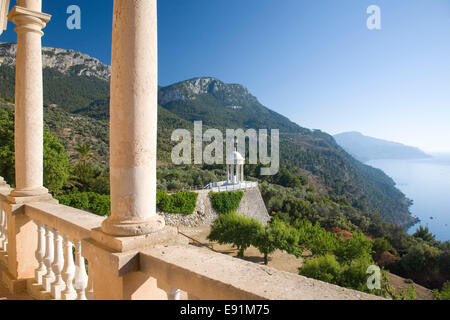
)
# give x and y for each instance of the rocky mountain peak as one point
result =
(68, 62)
(230, 94)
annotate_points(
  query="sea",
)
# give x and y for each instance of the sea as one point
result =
(427, 183)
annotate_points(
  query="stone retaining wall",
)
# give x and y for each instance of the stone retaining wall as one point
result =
(252, 205)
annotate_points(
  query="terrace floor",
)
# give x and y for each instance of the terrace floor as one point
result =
(5, 295)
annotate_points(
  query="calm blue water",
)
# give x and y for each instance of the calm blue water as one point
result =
(427, 182)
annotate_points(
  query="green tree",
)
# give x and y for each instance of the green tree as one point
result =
(424, 234)
(85, 176)
(357, 247)
(278, 235)
(56, 163)
(240, 231)
(56, 160)
(7, 146)
(315, 238)
(85, 153)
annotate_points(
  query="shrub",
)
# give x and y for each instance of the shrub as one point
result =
(90, 201)
(226, 202)
(381, 245)
(357, 247)
(324, 268)
(315, 238)
(354, 274)
(419, 257)
(240, 231)
(327, 268)
(182, 202)
(444, 294)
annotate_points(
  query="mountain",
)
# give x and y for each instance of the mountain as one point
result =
(367, 148)
(68, 62)
(76, 98)
(221, 105)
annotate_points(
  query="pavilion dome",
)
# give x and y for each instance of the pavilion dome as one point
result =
(235, 158)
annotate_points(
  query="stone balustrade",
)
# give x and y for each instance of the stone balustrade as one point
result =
(3, 235)
(223, 187)
(4, 191)
(61, 273)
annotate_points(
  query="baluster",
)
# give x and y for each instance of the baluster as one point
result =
(69, 271)
(57, 266)
(5, 231)
(81, 278)
(175, 294)
(90, 287)
(40, 254)
(2, 228)
(48, 260)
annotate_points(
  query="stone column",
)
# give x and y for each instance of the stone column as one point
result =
(29, 126)
(242, 173)
(29, 122)
(134, 102)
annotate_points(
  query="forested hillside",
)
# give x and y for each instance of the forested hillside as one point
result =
(366, 148)
(77, 110)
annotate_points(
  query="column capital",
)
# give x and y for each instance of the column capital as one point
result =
(28, 20)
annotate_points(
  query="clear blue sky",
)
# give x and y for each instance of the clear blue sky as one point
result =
(313, 61)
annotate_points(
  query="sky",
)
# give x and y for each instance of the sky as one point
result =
(315, 62)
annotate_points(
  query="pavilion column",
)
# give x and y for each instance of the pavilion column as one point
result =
(29, 122)
(232, 174)
(242, 173)
(238, 174)
(134, 105)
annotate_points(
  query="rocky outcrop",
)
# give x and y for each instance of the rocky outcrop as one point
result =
(230, 94)
(68, 62)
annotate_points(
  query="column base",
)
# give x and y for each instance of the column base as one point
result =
(21, 193)
(31, 195)
(132, 228)
(167, 235)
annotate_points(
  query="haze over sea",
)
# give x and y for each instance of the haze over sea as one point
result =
(427, 183)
